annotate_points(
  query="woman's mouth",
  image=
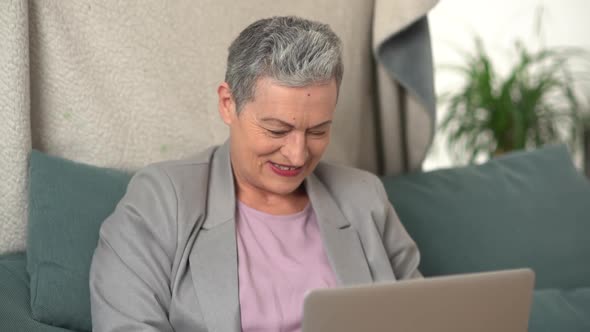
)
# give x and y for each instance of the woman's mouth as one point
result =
(284, 170)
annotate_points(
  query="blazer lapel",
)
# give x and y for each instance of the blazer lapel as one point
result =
(341, 241)
(213, 259)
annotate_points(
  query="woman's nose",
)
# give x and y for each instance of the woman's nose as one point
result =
(295, 149)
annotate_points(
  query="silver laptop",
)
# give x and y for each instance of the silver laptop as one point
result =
(490, 301)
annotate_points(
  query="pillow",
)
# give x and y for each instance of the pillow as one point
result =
(67, 204)
(560, 310)
(526, 209)
(15, 305)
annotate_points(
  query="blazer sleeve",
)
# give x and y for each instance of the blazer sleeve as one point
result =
(131, 266)
(401, 248)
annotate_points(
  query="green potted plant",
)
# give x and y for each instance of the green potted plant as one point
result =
(533, 105)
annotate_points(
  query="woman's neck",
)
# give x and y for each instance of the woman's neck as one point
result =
(273, 203)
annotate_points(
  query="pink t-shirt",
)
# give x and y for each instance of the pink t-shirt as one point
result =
(280, 258)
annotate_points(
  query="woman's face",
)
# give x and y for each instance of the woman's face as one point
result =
(279, 137)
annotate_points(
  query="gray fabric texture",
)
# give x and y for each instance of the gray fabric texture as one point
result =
(15, 133)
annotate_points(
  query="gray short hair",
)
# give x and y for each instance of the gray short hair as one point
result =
(292, 51)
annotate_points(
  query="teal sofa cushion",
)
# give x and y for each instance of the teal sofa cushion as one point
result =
(68, 202)
(526, 209)
(15, 309)
(560, 310)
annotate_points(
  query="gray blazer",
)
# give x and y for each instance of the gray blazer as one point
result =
(167, 260)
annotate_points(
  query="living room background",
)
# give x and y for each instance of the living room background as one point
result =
(453, 25)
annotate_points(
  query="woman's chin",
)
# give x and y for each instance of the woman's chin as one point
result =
(284, 188)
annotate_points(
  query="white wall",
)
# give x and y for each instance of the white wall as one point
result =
(499, 23)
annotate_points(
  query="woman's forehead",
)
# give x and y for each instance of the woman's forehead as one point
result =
(277, 121)
(267, 88)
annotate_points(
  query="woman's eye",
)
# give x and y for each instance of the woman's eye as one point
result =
(277, 132)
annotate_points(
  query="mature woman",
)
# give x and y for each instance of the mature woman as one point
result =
(233, 238)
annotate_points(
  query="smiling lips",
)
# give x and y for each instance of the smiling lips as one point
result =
(283, 170)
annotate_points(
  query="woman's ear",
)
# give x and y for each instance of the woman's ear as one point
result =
(226, 104)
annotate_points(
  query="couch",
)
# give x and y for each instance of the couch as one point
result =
(526, 209)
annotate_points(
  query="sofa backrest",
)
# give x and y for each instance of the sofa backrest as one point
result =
(526, 209)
